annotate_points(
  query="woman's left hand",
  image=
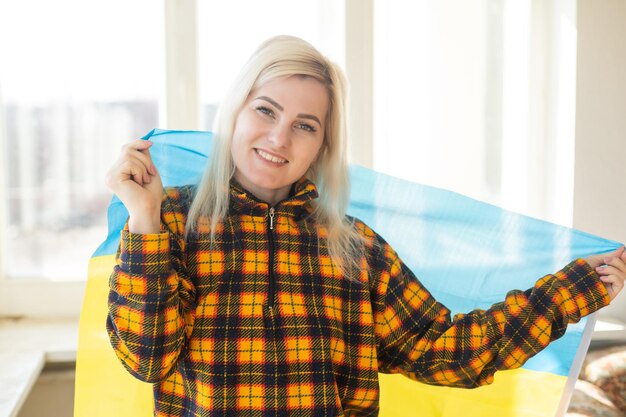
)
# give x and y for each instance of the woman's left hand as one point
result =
(612, 269)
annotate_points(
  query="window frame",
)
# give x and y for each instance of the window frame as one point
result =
(181, 109)
(35, 297)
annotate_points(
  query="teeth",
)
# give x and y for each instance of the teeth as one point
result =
(269, 157)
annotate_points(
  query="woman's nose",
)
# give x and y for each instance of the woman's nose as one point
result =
(279, 136)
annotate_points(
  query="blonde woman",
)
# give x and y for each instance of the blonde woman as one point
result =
(254, 294)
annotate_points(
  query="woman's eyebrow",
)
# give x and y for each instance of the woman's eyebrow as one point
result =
(310, 117)
(281, 108)
(272, 102)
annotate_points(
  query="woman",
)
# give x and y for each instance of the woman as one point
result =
(255, 294)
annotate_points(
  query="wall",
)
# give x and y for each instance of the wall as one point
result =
(599, 192)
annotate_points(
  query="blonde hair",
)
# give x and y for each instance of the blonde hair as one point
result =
(285, 56)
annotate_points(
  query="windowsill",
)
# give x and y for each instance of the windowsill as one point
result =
(39, 303)
(26, 345)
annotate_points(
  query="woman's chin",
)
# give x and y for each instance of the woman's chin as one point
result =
(261, 180)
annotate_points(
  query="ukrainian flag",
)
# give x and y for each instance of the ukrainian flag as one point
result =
(467, 253)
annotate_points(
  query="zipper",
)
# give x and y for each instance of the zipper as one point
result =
(270, 239)
(271, 216)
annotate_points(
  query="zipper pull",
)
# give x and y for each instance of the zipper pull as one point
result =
(271, 218)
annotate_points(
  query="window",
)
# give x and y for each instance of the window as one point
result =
(227, 37)
(479, 97)
(77, 80)
(464, 97)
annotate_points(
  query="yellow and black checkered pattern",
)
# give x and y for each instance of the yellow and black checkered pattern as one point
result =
(262, 323)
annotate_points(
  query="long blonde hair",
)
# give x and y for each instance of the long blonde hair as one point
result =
(284, 56)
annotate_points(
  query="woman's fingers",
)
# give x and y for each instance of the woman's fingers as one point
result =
(613, 283)
(133, 168)
(139, 144)
(132, 171)
(613, 274)
(610, 270)
(135, 180)
(133, 164)
(137, 171)
(616, 262)
(596, 260)
(140, 149)
(143, 157)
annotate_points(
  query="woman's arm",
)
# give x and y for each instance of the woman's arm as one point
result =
(418, 337)
(151, 298)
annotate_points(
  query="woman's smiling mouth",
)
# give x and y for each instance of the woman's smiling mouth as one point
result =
(270, 157)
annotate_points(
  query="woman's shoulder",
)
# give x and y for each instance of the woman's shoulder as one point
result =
(378, 252)
(366, 232)
(372, 240)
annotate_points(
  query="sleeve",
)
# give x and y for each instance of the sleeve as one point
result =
(151, 298)
(418, 338)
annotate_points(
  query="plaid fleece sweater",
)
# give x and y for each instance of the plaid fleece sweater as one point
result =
(263, 324)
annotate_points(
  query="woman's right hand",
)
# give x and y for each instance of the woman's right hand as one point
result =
(136, 181)
(612, 269)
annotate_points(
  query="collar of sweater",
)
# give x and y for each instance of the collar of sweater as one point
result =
(296, 204)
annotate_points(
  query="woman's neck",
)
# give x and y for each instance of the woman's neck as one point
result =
(271, 196)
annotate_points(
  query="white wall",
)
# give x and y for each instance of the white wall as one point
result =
(599, 190)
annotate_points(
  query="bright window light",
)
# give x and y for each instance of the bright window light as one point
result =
(479, 97)
(227, 37)
(78, 79)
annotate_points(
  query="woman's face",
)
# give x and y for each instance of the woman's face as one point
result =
(278, 134)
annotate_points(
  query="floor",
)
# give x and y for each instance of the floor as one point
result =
(52, 395)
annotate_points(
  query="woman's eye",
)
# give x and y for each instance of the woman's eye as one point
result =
(306, 127)
(265, 111)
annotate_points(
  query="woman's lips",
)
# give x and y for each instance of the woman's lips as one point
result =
(268, 156)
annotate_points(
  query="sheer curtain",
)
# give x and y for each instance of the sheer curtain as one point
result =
(227, 37)
(78, 80)
(479, 98)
